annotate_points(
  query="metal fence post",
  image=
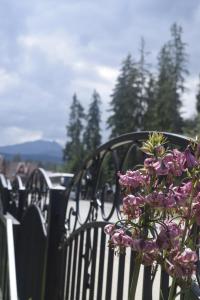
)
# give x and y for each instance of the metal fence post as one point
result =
(54, 254)
(4, 194)
(22, 200)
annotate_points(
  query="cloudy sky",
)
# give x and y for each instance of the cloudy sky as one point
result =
(50, 49)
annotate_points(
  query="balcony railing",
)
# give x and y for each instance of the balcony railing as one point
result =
(8, 286)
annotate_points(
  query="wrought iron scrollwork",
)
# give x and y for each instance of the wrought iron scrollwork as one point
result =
(35, 190)
(38, 189)
(16, 188)
(94, 193)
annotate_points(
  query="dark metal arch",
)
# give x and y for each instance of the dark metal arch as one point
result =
(37, 189)
(93, 166)
(17, 197)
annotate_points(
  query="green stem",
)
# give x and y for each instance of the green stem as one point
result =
(187, 295)
(172, 290)
(135, 277)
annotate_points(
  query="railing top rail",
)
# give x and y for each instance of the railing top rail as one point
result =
(95, 224)
(41, 172)
(127, 139)
(142, 135)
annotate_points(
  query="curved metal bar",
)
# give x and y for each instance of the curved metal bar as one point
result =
(16, 196)
(38, 188)
(3, 181)
(98, 224)
(9, 185)
(19, 183)
(46, 177)
(94, 186)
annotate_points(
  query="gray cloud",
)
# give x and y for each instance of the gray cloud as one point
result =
(50, 49)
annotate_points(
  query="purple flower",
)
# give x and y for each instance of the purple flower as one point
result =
(109, 229)
(160, 168)
(150, 246)
(169, 200)
(148, 259)
(196, 209)
(187, 256)
(175, 162)
(150, 252)
(148, 164)
(160, 199)
(119, 238)
(159, 150)
(138, 245)
(161, 211)
(155, 199)
(182, 265)
(190, 159)
(132, 212)
(116, 238)
(181, 193)
(127, 241)
(132, 200)
(131, 205)
(179, 160)
(186, 188)
(169, 236)
(131, 179)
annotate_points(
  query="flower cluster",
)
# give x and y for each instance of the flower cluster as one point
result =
(182, 264)
(161, 209)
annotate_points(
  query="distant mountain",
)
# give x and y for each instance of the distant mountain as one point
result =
(40, 150)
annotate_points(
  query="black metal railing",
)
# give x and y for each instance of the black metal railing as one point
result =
(94, 196)
(34, 191)
(8, 284)
(36, 203)
(38, 206)
(61, 249)
(94, 189)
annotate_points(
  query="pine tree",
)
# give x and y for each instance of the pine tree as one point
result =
(166, 106)
(193, 124)
(170, 85)
(179, 57)
(92, 136)
(124, 104)
(198, 98)
(143, 82)
(150, 112)
(74, 149)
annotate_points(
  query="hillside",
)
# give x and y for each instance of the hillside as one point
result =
(40, 150)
